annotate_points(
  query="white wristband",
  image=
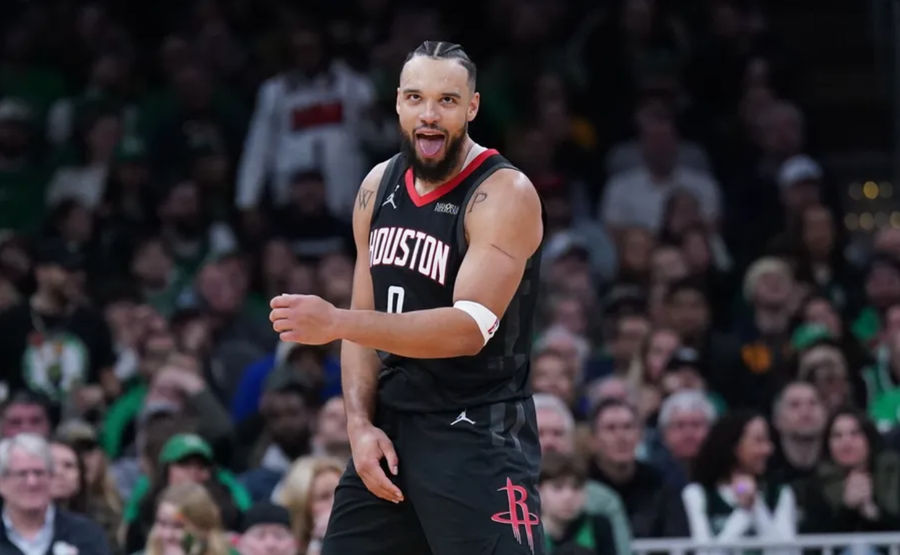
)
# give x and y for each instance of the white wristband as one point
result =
(486, 320)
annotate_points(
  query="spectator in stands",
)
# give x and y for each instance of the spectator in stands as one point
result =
(330, 437)
(288, 410)
(186, 227)
(241, 335)
(638, 196)
(57, 341)
(818, 310)
(646, 370)
(551, 373)
(653, 509)
(764, 334)
(564, 519)
(104, 504)
(307, 222)
(684, 422)
(266, 530)
(308, 493)
(187, 521)
(855, 488)
(25, 412)
(276, 260)
(800, 184)
(882, 288)
(178, 389)
(86, 181)
(154, 272)
(822, 363)
(556, 431)
(820, 261)
(882, 381)
(185, 458)
(629, 331)
(799, 418)
(307, 117)
(22, 176)
(634, 248)
(67, 482)
(728, 499)
(32, 522)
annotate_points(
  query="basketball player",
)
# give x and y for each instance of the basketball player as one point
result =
(442, 427)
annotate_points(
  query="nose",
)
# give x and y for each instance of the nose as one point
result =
(429, 113)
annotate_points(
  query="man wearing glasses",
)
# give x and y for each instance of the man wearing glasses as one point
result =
(31, 524)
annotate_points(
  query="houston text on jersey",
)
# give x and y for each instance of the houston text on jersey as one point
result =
(416, 250)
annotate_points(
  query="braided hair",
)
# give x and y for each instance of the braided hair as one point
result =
(441, 50)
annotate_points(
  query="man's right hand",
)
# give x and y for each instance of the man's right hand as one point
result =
(368, 446)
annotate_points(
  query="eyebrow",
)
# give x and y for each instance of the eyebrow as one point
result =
(417, 91)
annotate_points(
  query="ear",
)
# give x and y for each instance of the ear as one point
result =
(397, 102)
(472, 109)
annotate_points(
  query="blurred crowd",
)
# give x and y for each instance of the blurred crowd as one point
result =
(713, 359)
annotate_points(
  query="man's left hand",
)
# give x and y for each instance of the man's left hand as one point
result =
(307, 319)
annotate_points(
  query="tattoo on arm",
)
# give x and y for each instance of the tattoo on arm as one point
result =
(503, 251)
(479, 197)
(365, 195)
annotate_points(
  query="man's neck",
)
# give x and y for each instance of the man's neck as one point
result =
(27, 523)
(555, 527)
(801, 451)
(425, 187)
(771, 321)
(660, 176)
(47, 303)
(618, 473)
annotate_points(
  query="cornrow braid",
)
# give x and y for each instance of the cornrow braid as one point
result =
(443, 50)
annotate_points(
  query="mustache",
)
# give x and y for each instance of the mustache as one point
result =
(430, 127)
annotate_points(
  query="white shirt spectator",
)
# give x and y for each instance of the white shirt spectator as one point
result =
(635, 198)
(778, 523)
(302, 124)
(627, 155)
(40, 543)
(82, 183)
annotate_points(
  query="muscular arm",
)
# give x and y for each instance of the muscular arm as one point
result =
(503, 224)
(359, 364)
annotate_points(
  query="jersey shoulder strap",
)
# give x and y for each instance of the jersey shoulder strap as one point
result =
(395, 168)
(487, 169)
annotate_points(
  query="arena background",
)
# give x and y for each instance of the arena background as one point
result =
(720, 179)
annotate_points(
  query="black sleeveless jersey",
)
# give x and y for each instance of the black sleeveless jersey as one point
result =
(416, 246)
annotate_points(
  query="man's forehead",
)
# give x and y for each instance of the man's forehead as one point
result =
(20, 457)
(425, 73)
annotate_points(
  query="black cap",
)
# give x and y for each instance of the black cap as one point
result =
(264, 512)
(685, 356)
(55, 251)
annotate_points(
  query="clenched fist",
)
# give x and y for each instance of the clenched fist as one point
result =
(307, 319)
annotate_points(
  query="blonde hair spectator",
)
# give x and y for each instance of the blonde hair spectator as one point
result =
(183, 511)
(308, 491)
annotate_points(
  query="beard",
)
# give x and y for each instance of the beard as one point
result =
(434, 171)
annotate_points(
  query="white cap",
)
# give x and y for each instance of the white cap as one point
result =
(798, 168)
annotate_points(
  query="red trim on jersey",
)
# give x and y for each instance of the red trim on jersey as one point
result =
(444, 188)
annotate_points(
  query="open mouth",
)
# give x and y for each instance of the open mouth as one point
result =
(429, 143)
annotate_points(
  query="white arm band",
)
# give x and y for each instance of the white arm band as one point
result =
(486, 320)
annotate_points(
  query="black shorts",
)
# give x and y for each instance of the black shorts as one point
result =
(469, 481)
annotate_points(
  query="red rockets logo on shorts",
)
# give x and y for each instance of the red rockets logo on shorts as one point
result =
(416, 250)
(517, 516)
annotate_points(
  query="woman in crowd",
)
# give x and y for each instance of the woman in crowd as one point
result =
(857, 487)
(646, 371)
(185, 458)
(729, 498)
(187, 522)
(103, 502)
(308, 492)
(68, 483)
